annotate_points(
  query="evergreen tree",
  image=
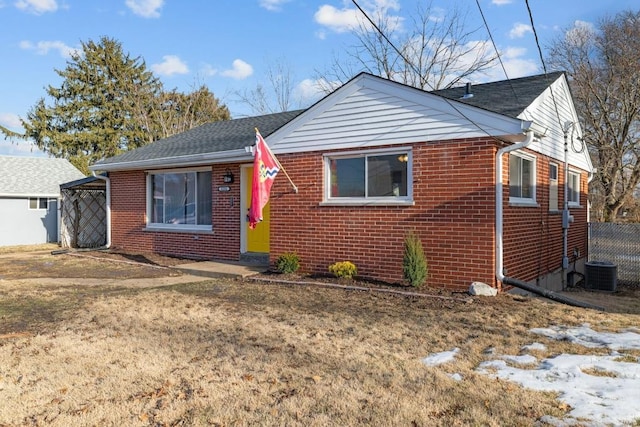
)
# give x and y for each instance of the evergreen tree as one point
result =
(109, 103)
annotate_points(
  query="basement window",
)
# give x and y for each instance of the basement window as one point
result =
(522, 179)
(370, 177)
(179, 199)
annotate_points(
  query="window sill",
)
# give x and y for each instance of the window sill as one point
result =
(524, 204)
(367, 203)
(177, 230)
(575, 206)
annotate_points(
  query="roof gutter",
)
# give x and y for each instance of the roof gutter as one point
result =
(107, 181)
(499, 195)
(178, 161)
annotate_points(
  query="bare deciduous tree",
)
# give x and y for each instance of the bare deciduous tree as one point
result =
(276, 96)
(603, 63)
(437, 51)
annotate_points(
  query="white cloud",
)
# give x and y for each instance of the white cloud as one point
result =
(10, 121)
(515, 63)
(208, 71)
(348, 19)
(37, 7)
(339, 20)
(170, 65)
(501, 2)
(519, 30)
(145, 8)
(273, 5)
(43, 47)
(581, 32)
(240, 71)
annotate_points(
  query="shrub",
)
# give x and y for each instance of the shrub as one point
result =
(288, 262)
(414, 262)
(343, 269)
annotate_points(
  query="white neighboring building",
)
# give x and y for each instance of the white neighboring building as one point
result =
(29, 198)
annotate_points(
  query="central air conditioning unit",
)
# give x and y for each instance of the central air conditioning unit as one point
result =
(601, 276)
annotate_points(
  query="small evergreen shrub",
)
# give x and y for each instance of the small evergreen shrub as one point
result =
(288, 262)
(414, 262)
(343, 269)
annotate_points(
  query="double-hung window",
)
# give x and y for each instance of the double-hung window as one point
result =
(522, 178)
(371, 177)
(179, 199)
(573, 186)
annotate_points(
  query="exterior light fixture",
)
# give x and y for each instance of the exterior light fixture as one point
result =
(227, 178)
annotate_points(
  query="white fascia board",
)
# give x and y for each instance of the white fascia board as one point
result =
(486, 122)
(180, 161)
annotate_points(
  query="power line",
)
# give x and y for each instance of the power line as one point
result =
(496, 49)
(417, 71)
(544, 66)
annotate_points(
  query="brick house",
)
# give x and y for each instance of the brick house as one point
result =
(477, 172)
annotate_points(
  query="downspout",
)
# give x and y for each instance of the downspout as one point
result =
(566, 215)
(108, 213)
(499, 208)
(499, 237)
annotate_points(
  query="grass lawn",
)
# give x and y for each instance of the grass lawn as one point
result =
(111, 344)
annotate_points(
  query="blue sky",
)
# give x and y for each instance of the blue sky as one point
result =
(229, 45)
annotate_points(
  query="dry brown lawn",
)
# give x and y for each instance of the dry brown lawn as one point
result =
(85, 341)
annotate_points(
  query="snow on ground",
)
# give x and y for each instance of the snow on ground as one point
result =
(603, 389)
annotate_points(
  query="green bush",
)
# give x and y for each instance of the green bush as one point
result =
(414, 262)
(343, 269)
(288, 262)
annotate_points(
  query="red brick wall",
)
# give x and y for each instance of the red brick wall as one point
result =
(453, 215)
(533, 236)
(128, 215)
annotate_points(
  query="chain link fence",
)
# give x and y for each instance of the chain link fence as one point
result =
(618, 244)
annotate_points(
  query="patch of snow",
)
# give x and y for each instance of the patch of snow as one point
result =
(440, 358)
(587, 337)
(534, 346)
(456, 376)
(525, 359)
(610, 398)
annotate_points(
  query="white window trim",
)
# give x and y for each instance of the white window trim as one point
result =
(573, 172)
(524, 201)
(49, 201)
(367, 201)
(154, 226)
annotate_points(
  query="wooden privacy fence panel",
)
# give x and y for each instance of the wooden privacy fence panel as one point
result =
(83, 218)
(618, 244)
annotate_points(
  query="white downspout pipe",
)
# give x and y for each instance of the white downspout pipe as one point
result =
(499, 213)
(107, 181)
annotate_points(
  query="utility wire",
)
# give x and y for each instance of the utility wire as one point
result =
(496, 49)
(417, 71)
(544, 66)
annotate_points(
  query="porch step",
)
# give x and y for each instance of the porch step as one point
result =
(255, 258)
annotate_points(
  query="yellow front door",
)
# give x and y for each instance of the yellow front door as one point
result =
(258, 238)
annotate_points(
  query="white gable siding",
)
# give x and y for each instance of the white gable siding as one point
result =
(543, 112)
(369, 112)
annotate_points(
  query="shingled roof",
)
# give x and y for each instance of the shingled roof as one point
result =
(506, 97)
(211, 137)
(34, 176)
